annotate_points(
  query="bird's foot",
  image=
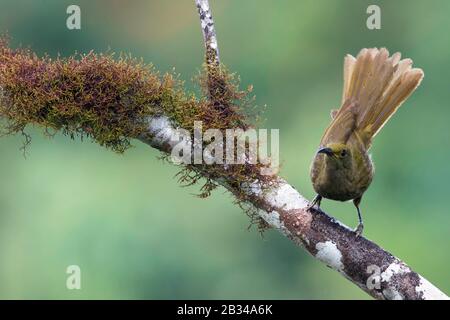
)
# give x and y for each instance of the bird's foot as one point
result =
(359, 229)
(310, 206)
(316, 201)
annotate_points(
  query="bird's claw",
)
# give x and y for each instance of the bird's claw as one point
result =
(316, 201)
(359, 229)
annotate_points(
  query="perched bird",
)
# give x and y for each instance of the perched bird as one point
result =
(375, 85)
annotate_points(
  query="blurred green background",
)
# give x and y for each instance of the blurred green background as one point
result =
(136, 234)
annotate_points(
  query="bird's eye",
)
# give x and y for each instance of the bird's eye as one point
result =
(343, 153)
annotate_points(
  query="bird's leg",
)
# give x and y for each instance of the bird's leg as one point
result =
(317, 200)
(360, 227)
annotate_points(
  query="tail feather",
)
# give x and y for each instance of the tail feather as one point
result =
(378, 84)
(349, 65)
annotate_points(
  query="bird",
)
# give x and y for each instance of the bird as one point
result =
(375, 86)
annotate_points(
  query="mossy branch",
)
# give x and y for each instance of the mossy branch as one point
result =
(113, 101)
(106, 98)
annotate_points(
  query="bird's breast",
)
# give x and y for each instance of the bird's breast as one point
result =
(341, 183)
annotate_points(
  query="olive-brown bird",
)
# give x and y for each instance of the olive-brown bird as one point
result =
(375, 85)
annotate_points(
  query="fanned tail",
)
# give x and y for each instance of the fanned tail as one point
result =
(377, 85)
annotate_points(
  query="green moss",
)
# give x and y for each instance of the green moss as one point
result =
(108, 100)
(92, 95)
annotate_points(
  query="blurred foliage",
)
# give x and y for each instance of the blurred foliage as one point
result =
(136, 234)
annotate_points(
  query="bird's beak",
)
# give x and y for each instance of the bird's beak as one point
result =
(327, 151)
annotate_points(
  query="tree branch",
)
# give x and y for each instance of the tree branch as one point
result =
(209, 32)
(112, 102)
(361, 261)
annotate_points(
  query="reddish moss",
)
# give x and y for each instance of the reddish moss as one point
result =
(108, 100)
(94, 95)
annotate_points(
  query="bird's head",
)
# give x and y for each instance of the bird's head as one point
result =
(336, 152)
